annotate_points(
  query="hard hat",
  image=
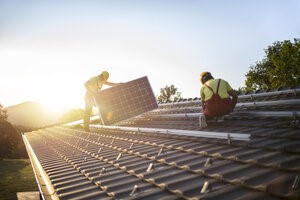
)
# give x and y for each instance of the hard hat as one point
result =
(202, 75)
(105, 75)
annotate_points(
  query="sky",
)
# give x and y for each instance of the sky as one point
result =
(49, 48)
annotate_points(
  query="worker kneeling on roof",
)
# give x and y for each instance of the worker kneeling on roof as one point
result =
(217, 96)
(92, 86)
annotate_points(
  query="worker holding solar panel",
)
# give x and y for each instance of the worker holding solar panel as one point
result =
(217, 96)
(92, 86)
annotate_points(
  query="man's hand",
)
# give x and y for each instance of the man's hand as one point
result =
(203, 105)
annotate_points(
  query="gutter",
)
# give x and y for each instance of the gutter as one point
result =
(47, 191)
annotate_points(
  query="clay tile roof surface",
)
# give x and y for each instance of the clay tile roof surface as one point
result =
(252, 153)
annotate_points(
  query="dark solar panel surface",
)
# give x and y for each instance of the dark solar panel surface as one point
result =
(125, 101)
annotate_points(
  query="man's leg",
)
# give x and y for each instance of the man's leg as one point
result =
(87, 115)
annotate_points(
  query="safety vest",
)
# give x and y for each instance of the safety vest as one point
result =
(217, 106)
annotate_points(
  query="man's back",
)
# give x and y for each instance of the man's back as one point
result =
(224, 88)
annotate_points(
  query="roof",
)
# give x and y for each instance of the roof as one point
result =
(252, 153)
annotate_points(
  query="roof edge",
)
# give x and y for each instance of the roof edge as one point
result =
(46, 189)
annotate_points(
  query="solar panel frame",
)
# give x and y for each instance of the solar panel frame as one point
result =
(125, 101)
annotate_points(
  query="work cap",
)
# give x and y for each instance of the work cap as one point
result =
(105, 75)
(202, 75)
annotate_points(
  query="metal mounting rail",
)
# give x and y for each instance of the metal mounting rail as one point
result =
(205, 134)
(238, 105)
(180, 103)
(267, 94)
(166, 110)
(81, 121)
(285, 114)
(269, 103)
(184, 115)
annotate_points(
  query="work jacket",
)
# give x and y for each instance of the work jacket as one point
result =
(93, 85)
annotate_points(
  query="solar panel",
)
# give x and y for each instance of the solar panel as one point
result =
(125, 101)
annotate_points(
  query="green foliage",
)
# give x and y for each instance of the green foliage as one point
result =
(9, 139)
(241, 90)
(279, 68)
(16, 176)
(3, 115)
(168, 93)
(11, 143)
(72, 115)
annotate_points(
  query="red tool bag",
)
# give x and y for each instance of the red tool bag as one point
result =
(216, 106)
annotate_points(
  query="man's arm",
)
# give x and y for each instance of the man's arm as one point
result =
(111, 84)
(203, 105)
(234, 96)
(202, 96)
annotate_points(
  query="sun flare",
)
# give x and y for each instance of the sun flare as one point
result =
(58, 100)
(55, 109)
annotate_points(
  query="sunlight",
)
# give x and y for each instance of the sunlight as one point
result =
(56, 109)
(60, 102)
(61, 95)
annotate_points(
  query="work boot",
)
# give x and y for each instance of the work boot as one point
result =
(202, 121)
(219, 119)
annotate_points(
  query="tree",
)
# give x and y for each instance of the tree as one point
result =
(168, 93)
(279, 68)
(9, 136)
(3, 115)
